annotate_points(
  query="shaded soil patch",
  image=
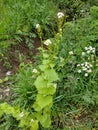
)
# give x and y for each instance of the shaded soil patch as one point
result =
(3, 70)
(18, 53)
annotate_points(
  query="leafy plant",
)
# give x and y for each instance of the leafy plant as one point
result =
(19, 19)
(45, 83)
(20, 116)
(46, 88)
(23, 89)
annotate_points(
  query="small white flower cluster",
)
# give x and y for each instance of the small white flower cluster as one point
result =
(71, 53)
(89, 50)
(32, 120)
(8, 73)
(21, 114)
(35, 71)
(47, 42)
(82, 11)
(85, 67)
(37, 26)
(60, 15)
(61, 59)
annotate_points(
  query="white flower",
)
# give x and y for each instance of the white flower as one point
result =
(86, 74)
(60, 15)
(88, 51)
(90, 48)
(88, 58)
(8, 73)
(60, 29)
(21, 114)
(93, 50)
(37, 26)
(89, 71)
(82, 64)
(86, 48)
(32, 120)
(78, 65)
(47, 42)
(84, 68)
(86, 63)
(83, 53)
(82, 11)
(34, 71)
(90, 65)
(71, 53)
(79, 71)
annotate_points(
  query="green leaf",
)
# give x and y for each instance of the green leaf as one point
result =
(1, 112)
(1, 81)
(44, 119)
(96, 98)
(40, 82)
(42, 67)
(45, 62)
(51, 75)
(45, 55)
(44, 100)
(16, 112)
(48, 90)
(36, 107)
(51, 65)
(6, 78)
(34, 125)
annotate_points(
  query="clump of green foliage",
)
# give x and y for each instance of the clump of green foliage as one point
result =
(29, 108)
(18, 20)
(75, 9)
(77, 88)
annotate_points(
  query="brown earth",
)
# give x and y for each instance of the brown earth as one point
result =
(14, 60)
(13, 57)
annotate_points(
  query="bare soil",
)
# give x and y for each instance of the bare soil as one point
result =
(3, 70)
(13, 57)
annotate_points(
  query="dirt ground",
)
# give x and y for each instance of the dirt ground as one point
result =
(14, 60)
(13, 57)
